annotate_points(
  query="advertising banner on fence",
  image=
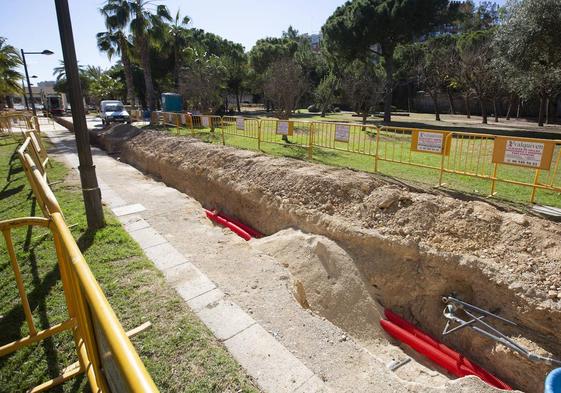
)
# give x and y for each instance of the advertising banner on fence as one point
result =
(205, 121)
(430, 142)
(533, 153)
(342, 132)
(285, 127)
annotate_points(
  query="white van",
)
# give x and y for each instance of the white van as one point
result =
(113, 111)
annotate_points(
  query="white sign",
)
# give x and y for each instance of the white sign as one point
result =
(240, 124)
(205, 121)
(183, 119)
(282, 127)
(342, 132)
(430, 141)
(524, 153)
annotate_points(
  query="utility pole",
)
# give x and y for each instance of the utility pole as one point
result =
(28, 84)
(90, 188)
(24, 95)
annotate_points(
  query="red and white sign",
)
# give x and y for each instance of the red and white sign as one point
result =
(524, 153)
(430, 141)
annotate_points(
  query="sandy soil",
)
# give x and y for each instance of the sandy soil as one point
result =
(395, 248)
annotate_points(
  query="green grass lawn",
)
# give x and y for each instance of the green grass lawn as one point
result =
(467, 155)
(180, 353)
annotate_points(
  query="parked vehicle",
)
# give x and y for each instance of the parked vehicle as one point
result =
(54, 104)
(113, 111)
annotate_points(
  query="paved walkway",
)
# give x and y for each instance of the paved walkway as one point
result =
(274, 367)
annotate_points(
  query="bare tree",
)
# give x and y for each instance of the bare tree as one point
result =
(363, 87)
(478, 71)
(284, 85)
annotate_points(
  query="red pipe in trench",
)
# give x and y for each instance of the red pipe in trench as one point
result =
(233, 227)
(435, 351)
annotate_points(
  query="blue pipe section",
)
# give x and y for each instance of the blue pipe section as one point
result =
(553, 381)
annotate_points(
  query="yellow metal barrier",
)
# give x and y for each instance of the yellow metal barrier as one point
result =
(104, 350)
(476, 155)
(206, 124)
(286, 132)
(348, 137)
(238, 126)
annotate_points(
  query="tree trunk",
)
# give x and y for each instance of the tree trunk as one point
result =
(434, 97)
(483, 106)
(129, 81)
(451, 102)
(547, 110)
(364, 117)
(388, 57)
(466, 103)
(542, 111)
(238, 105)
(409, 97)
(145, 60)
(495, 109)
(510, 101)
(176, 67)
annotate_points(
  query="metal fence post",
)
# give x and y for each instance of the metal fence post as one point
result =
(311, 141)
(378, 130)
(534, 188)
(222, 130)
(259, 135)
(192, 126)
(494, 179)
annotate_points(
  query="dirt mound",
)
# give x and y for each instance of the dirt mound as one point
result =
(409, 248)
(325, 280)
(113, 137)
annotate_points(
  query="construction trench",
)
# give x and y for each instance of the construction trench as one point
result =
(354, 244)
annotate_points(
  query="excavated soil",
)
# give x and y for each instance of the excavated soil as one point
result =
(359, 244)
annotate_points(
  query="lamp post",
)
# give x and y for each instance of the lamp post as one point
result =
(45, 52)
(24, 95)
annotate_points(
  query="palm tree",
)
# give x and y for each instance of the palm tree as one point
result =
(179, 37)
(10, 60)
(60, 71)
(140, 16)
(115, 41)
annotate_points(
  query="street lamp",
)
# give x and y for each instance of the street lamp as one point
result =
(25, 95)
(45, 52)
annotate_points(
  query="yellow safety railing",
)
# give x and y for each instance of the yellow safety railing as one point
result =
(526, 162)
(237, 126)
(105, 353)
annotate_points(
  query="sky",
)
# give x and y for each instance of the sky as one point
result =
(32, 24)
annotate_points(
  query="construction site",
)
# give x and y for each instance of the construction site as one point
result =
(349, 249)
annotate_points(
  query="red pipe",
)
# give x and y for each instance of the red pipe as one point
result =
(477, 370)
(425, 349)
(234, 228)
(248, 229)
(436, 351)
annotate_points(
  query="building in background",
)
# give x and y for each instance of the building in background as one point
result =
(315, 42)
